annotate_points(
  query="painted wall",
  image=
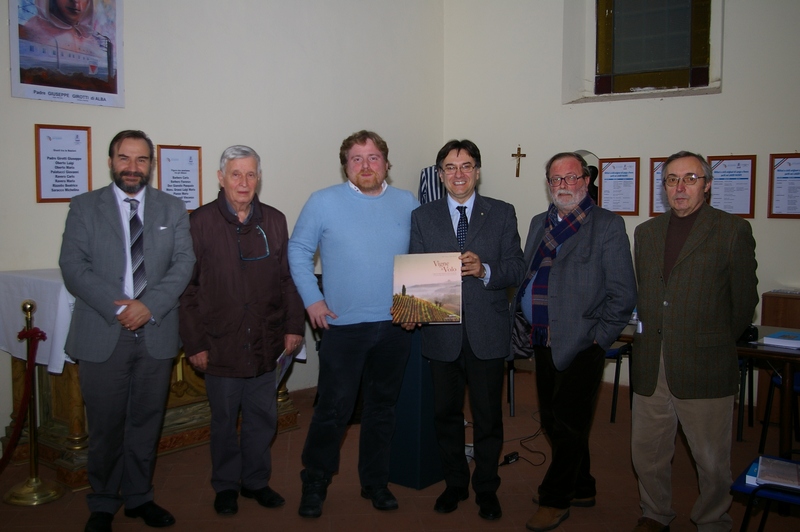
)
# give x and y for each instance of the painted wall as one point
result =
(292, 79)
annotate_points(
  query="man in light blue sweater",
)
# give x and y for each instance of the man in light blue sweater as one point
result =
(358, 227)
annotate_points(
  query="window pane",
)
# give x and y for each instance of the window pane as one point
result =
(652, 36)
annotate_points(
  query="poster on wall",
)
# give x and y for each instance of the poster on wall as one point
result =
(67, 51)
(734, 184)
(63, 162)
(618, 185)
(180, 173)
(784, 185)
(658, 195)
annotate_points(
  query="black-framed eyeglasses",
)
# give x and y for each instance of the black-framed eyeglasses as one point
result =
(239, 243)
(570, 179)
(689, 179)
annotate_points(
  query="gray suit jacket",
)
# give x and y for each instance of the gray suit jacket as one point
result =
(494, 237)
(93, 266)
(699, 313)
(591, 290)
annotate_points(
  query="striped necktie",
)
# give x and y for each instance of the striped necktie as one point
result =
(137, 250)
(463, 225)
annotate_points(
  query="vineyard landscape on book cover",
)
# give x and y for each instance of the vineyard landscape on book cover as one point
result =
(427, 288)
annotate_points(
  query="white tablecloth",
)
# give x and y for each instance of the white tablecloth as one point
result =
(53, 314)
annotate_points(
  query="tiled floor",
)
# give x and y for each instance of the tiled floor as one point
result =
(182, 485)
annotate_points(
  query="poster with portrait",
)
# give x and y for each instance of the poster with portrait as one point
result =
(67, 51)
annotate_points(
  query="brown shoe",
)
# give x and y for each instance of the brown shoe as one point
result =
(546, 518)
(646, 524)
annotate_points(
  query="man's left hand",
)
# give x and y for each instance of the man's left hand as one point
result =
(471, 265)
(291, 342)
(135, 314)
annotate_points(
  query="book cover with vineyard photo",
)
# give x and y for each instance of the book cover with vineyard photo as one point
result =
(427, 288)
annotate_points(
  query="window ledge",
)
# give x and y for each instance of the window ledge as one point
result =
(648, 94)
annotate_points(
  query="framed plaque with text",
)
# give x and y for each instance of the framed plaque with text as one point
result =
(658, 196)
(618, 185)
(734, 185)
(784, 185)
(180, 173)
(63, 162)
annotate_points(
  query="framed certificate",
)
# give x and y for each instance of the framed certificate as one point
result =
(618, 185)
(658, 196)
(784, 185)
(734, 185)
(63, 162)
(180, 173)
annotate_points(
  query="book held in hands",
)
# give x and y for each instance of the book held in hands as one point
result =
(427, 288)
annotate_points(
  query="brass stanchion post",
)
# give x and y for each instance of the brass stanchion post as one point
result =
(34, 490)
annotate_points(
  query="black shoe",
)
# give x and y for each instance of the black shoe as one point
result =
(314, 494)
(99, 522)
(153, 515)
(225, 502)
(448, 500)
(489, 505)
(266, 496)
(382, 498)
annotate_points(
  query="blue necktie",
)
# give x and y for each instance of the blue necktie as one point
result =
(463, 225)
(137, 249)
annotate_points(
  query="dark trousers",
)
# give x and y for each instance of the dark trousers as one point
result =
(373, 355)
(247, 459)
(125, 400)
(566, 407)
(484, 380)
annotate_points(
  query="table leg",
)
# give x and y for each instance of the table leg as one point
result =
(787, 396)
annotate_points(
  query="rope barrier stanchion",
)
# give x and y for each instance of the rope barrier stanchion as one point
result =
(34, 490)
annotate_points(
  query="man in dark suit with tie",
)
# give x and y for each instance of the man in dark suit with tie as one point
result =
(471, 354)
(696, 269)
(578, 295)
(126, 256)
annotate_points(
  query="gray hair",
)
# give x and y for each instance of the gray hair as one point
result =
(680, 155)
(238, 152)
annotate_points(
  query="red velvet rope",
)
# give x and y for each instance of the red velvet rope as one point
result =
(34, 336)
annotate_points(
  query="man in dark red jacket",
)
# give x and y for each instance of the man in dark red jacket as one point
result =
(239, 312)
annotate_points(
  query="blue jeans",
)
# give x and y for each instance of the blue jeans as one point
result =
(372, 355)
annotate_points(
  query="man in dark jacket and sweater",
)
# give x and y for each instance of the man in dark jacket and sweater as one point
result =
(239, 312)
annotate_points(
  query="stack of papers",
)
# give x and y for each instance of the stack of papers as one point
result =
(783, 339)
(778, 472)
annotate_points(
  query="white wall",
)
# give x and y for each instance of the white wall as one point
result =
(292, 79)
(503, 76)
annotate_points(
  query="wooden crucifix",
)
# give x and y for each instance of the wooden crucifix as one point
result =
(518, 156)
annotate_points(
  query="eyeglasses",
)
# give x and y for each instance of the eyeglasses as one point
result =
(568, 179)
(239, 243)
(689, 179)
(466, 168)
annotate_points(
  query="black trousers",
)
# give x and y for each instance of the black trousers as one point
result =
(373, 355)
(484, 381)
(566, 406)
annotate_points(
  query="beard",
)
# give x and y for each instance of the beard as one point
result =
(567, 200)
(131, 188)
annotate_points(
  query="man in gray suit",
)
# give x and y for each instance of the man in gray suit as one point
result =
(577, 297)
(471, 354)
(696, 270)
(126, 256)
